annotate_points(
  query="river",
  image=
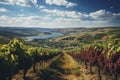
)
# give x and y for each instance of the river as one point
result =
(52, 35)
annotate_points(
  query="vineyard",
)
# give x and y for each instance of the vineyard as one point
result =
(59, 39)
(15, 56)
(105, 56)
(61, 64)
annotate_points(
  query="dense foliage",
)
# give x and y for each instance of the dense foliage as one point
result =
(15, 56)
(105, 56)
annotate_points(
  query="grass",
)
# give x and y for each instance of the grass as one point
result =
(62, 67)
(64, 63)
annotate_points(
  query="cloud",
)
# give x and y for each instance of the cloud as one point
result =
(68, 22)
(41, 7)
(70, 14)
(30, 21)
(103, 15)
(3, 10)
(56, 18)
(61, 3)
(97, 15)
(25, 3)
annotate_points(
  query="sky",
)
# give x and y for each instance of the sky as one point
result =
(60, 13)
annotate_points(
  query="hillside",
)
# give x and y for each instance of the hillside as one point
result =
(85, 34)
(93, 54)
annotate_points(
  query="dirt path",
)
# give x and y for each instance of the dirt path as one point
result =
(85, 74)
(67, 66)
(64, 62)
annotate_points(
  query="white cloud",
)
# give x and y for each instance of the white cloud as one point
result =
(70, 14)
(25, 3)
(97, 15)
(104, 15)
(30, 21)
(42, 7)
(57, 18)
(3, 10)
(61, 3)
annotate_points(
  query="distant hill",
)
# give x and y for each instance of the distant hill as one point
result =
(89, 34)
(71, 34)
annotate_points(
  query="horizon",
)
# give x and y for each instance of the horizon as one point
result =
(59, 13)
(58, 27)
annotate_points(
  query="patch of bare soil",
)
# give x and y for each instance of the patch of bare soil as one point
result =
(85, 74)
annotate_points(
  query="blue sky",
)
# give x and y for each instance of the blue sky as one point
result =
(59, 13)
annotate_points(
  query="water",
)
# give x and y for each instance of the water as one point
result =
(52, 35)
